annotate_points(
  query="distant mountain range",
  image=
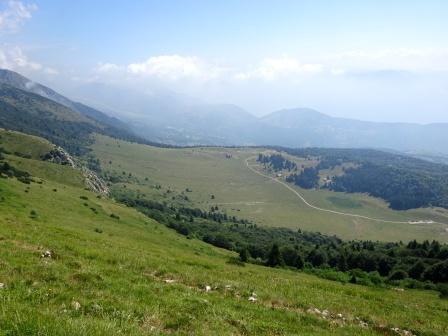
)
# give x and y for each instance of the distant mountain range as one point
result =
(173, 119)
(305, 127)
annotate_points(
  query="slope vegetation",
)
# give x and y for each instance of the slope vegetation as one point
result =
(33, 114)
(75, 263)
(211, 177)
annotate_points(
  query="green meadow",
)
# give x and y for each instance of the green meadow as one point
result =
(70, 268)
(222, 172)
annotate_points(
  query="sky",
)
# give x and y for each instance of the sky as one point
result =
(370, 60)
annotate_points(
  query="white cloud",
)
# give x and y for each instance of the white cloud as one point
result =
(51, 71)
(275, 68)
(105, 68)
(13, 58)
(174, 67)
(15, 13)
(338, 71)
(406, 59)
(195, 70)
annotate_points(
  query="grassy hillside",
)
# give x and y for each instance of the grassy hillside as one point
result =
(25, 145)
(242, 193)
(128, 274)
(25, 153)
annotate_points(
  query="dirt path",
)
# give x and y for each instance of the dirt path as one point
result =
(284, 184)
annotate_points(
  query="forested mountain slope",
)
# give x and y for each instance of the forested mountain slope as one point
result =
(20, 82)
(32, 113)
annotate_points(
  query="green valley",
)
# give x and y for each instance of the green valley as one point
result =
(77, 263)
(222, 172)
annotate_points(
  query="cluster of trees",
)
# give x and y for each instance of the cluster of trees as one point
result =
(167, 214)
(277, 162)
(400, 188)
(6, 170)
(281, 247)
(404, 182)
(307, 179)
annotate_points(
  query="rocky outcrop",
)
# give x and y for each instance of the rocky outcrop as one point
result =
(60, 156)
(94, 182)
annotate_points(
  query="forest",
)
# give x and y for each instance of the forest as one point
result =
(402, 181)
(415, 264)
(32, 114)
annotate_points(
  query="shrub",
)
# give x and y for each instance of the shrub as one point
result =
(416, 271)
(375, 278)
(330, 274)
(437, 272)
(398, 275)
(443, 289)
(244, 254)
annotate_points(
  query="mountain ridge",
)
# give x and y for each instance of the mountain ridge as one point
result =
(21, 82)
(168, 118)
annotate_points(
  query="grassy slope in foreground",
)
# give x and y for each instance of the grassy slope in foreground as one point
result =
(115, 269)
(245, 194)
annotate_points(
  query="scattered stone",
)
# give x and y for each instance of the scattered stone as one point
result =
(2, 285)
(96, 307)
(363, 324)
(398, 289)
(169, 281)
(314, 311)
(76, 305)
(208, 288)
(46, 254)
(252, 299)
(339, 315)
(402, 332)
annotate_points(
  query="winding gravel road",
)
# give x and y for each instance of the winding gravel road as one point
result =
(284, 184)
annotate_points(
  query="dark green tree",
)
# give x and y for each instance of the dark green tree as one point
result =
(317, 257)
(342, 263)
(244, 254)
(300, 263)
(416, 271)
(398, 275)
(275, 257)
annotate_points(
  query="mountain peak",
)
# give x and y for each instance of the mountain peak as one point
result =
(296, 117)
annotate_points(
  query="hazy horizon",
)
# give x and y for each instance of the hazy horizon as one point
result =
(373, 61)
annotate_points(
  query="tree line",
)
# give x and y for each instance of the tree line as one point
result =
(416, 264)
(404, 182)
(277, 162)
(6, 170)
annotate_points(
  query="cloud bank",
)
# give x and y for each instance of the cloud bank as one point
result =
(172, 68)
(14, 15)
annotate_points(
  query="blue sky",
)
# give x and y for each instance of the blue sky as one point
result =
(372, 60)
